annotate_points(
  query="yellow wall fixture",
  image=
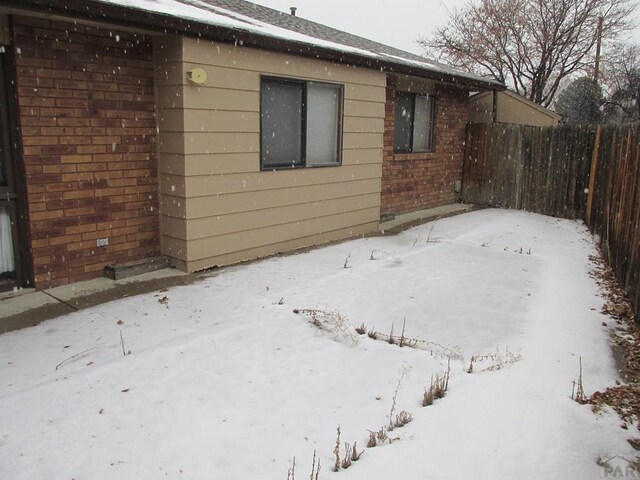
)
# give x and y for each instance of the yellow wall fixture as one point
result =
(197, 76)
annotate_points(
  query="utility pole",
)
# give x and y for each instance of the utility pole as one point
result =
(596, 72)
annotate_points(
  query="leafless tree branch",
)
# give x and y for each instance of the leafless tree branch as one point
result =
(531, 45)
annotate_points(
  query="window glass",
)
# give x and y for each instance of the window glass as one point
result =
(3, 175)
(300, 123)
(404, 119)
(7, 263)
(323, 123)
(4, 149)
(422, 123)
(281, 123)
(413, 123)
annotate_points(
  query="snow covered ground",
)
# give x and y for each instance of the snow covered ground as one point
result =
(224, 381)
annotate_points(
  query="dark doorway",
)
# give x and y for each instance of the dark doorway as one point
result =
(11, 269)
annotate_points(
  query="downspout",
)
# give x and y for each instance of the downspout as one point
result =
(494, 108)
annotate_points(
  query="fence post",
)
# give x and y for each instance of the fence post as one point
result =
(592, 175)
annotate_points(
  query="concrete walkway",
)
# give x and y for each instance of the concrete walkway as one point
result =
(408, 220)
(29, 307)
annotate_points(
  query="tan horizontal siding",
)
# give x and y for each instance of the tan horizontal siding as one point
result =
(261, 217)
(176, 249)
(280, 247)
(218, 77)
(361, 140)
(208, 121)
(363, 92)
(167, 73)
(363, 125)
(168, 65)
(205, 53)
(194, 255)
(220, 99)
(362, 156)
(169, 97)
(360, 108)
(241, 142)
(193, 121)
(174, 228)
(211, 164)
(223, 244)
(171, 164)
(226, 163)
(204, 185)
(168, 49)
(198, 207)
(217, 205)
(208, 142)
(210, 98)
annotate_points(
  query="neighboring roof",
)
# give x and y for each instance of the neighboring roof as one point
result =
(255, 25)
(521, 99)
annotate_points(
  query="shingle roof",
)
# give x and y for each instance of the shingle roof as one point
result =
(322, 32)
(256, 25)
(307, 27)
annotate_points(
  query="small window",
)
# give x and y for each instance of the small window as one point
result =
(414, 123)
(300, 123)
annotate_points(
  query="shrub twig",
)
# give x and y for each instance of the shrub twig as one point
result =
(438, 388)
(346, 461)
(291, 473)
(577, 390)
(375, 250)
(355, 456)
(393, 421)
(81, 354)
(336, 452)
(498, 360)
(378, 436)
(125, 352)
(332, 322)
(315, 468)
(434, 348)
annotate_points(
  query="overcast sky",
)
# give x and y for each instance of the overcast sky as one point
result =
(395, 23)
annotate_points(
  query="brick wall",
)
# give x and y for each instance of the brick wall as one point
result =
(414, 181)
(86, 114)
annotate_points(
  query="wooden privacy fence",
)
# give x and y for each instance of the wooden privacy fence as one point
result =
(538, 169)
(582, 172)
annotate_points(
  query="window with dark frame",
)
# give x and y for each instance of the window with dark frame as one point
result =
(414, 115)
(300, 123)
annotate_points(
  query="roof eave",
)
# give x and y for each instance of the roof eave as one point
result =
(162, 23)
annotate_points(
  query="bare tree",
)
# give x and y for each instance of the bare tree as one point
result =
(531, 45)
(622, 78)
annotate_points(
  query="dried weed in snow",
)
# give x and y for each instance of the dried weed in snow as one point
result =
(495, 361)
(436, 350)
(438, 388)
(331, 322)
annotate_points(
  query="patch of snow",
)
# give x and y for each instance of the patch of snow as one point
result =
(225, 381)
